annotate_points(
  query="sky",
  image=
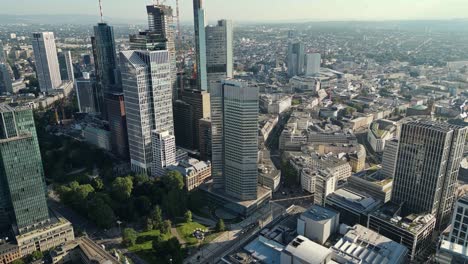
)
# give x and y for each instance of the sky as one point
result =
(256, 10)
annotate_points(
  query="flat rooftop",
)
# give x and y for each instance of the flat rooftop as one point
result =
(362, 245)
(414, 223)
(320, 214)
(359, 201)
(307, 250)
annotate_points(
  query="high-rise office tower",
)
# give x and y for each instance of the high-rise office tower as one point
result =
(146, 81)
(205, 138)
(161, 23)
(200, 44)
(66, 66)
(86, 92)
(428, 161)
(22, 183)
(234, 114)
(116, 114)
(2, 53)
(200, 102)
(389, 158)
(459, 223)
(183, 124)
(295, 59)
(105, 59)
(6, 85)
(219, 52)
(312, 64)
(47, 66)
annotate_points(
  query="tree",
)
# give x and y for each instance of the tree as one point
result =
(18, 261)
(129, 236)
(149, 224)
(101, 213)
(158, 244)
(36, 255)
(156, 217)
(188, 216)
(141, 179)
(122, 188)
(220, 227)
(143, 205)
(97, 184)
(173, 180)
(166, 226)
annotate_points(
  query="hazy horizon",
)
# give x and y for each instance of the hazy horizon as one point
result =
(256, 10)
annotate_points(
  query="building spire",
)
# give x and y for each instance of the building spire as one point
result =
(100, 11)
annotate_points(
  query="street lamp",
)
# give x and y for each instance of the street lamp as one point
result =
(119, 223)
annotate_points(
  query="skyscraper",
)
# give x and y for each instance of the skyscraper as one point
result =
(2, 53)
(219, 52)
(6, 85)
(312, 64)
(200, 44)
(146, 80)
(428, 161)
(47, 66)
(234, 114)
(295, 59)
(86, 94)
(183, 124)
(205, 138)
(200, 102)
(22, 183)
(105, 58)
(117, 118)
(66, 66)
(161, 23)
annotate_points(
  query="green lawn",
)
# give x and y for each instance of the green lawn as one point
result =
(144, 245)
(185, 230)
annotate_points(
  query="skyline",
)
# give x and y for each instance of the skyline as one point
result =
(299, 10)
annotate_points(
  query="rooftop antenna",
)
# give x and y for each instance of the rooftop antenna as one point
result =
(100, 11)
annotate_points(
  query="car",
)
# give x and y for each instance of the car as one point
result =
(283, 193)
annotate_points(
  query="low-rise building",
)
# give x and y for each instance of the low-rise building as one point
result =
(318, 223)
(98, 137)
(9, 252)
(361, 245)
(275, 103)
(380, 131)
(374, 183)
(304, 251)
(82, 250)
(354, 206)
(412, 231)
(268, 174)
(193, 171)
(52, 235)
(319, 182)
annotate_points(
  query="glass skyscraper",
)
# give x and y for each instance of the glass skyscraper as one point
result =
(200, 44)
(22, 183)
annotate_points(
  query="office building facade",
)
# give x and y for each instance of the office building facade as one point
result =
(428, 161)
(164, 152)
(66, 66)
(204, 140)
(117, 118)
(86, 92)
(312, 64)
(183, 124)
(219, 52)
(161, 23)
(22, 182)
(146, 81)
(295, 59)
(200, 102)
(200, 44)
(6, 84)
(47, 66)
(234, 114)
